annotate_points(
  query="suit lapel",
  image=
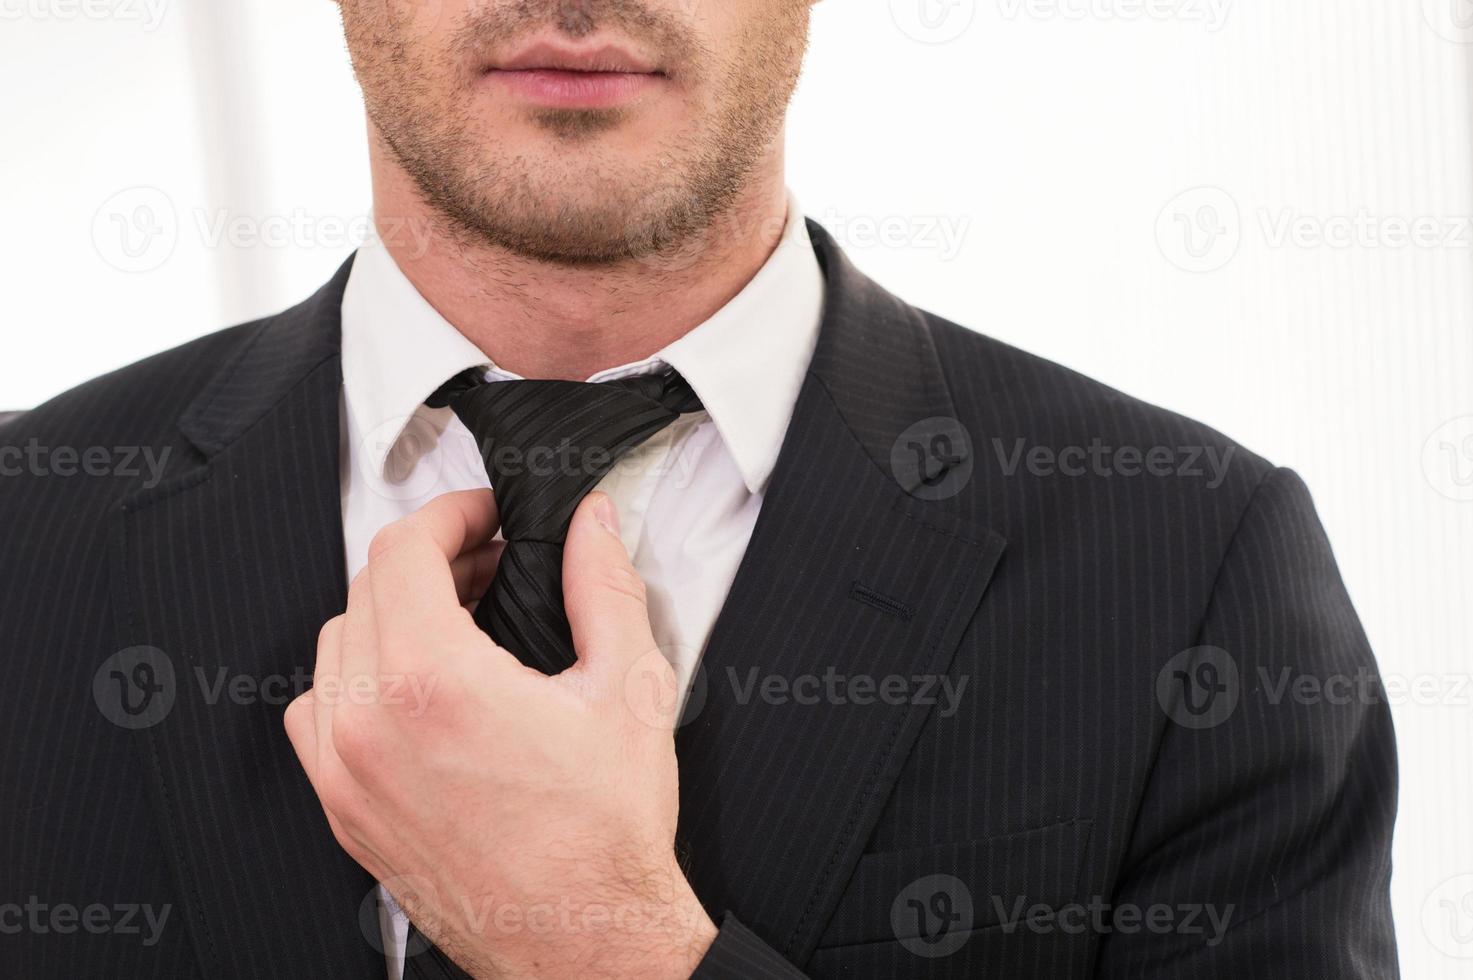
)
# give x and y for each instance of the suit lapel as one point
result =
(230, 570)
(851, 582)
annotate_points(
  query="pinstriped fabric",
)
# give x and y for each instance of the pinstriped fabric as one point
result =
(521, 427)
(177, 818)
(79, 832)
(738, 952)
(1051, 597)
(1107, 577)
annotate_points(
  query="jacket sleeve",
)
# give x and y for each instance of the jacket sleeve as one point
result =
(738, 954)
(1270, 805)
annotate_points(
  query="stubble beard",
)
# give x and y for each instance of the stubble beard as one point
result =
(575, 205)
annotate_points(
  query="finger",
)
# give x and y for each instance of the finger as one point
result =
(604, 596)
(474, 570)
(358, 646)
(326, 686)
(301, 730)
(413, 588)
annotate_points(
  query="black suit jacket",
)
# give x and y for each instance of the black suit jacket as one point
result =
(1124, 741)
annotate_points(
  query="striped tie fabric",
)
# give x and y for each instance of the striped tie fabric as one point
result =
(546, 444)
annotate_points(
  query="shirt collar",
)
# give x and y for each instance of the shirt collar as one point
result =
(746, 362)
(397, 350)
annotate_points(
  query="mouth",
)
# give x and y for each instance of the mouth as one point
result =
(553, 75)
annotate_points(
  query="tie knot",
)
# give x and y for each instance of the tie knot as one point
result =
(546, 444)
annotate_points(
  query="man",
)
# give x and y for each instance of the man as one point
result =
(623, 585)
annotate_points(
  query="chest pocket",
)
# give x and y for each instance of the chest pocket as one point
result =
(922, 895)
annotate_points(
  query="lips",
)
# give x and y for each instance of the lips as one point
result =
(588, 77)
(603, 59)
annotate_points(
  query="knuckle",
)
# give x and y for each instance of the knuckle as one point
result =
(347, 827)
(335, 792)
(346, 840)
(359, 585)
(409, 694)
(356, 736)
(295, 721)
(624, 581)
(329, 630)
(389, 539)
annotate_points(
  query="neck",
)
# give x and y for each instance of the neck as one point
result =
(540, 320)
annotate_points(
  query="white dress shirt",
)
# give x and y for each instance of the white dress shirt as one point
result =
(687, 499)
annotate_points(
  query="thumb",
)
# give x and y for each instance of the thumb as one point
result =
(603, 594)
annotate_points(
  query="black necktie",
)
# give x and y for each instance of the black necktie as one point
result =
(546, 444)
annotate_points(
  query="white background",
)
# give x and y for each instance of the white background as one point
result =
(1256, 212)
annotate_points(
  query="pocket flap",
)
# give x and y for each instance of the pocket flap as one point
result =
(971, 885)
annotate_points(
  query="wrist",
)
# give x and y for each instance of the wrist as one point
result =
(677, 932)
(689, 945)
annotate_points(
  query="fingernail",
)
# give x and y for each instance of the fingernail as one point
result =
(607, 514)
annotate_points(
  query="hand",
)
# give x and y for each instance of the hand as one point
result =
(526, 823)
